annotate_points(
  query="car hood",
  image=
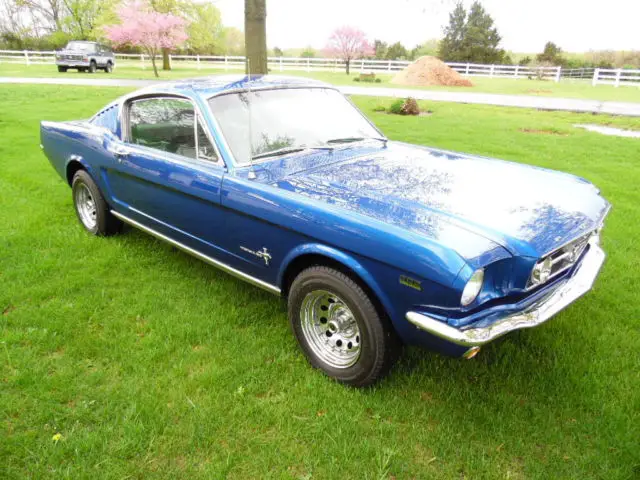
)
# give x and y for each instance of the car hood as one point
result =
(527, 210)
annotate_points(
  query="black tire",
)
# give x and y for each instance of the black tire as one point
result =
(93, 66)
(379, 345)
(62, 69)
(104, 223)
(108, 68)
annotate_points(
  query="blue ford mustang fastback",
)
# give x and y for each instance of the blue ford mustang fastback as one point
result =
(284, 183)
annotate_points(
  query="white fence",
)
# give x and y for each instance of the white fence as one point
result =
(598, 76)
(617, 77)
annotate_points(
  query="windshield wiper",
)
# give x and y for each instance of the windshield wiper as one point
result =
(356, 139)
(287, 150)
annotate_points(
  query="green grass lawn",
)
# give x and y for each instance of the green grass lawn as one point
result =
(151, 364)
(565, 88)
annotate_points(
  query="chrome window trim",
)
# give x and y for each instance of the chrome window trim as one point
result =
(201, 256)
(125, 127)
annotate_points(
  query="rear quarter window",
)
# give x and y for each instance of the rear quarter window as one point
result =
(107, 118)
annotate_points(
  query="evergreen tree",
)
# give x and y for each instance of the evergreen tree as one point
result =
(481, 39)
(450, 48)
(472, 37)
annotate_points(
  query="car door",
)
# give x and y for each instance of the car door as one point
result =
(166, 173)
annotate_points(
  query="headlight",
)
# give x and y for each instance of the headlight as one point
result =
(541, 272)
(473, 287)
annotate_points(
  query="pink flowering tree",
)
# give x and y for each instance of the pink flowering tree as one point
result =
(349, 43)
(141, 26)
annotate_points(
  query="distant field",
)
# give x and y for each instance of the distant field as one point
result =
(152, 364)
(565, 88)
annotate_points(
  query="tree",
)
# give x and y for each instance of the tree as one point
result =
(451, 45)
(349, 43)
(233, 41)
(397, 52)
(150, 30)
(255, 35)
(551, 54)
(81, 19)
(430, 47)
(205, 30)
(380, 49)
(472, 37)
(308, 52)
(481, 40)
(277, 52)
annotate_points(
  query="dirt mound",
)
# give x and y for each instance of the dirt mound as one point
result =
(427, 71)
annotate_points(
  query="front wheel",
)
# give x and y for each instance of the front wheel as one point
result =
(339, 328)
(91, 208)
(93, 67)
(108, 68)
(62, 69)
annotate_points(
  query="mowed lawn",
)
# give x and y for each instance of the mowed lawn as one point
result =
(150, 364)
(567, 88)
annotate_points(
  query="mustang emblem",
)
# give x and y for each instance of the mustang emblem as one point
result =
(263, 254)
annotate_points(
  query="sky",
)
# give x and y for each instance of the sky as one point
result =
(525, 26)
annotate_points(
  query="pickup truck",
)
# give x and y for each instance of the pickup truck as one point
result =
(85, 57)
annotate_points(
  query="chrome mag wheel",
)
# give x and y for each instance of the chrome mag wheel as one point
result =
(86, 206)
(330, 329)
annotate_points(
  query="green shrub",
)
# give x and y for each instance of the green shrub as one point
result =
(356, 79)
(378, 80)
(408, 106)
(379, 108)
(396, 106)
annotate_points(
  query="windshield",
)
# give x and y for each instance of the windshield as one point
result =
(81, 46)
(288, 120)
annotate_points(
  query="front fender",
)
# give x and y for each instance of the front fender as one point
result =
(338, 256)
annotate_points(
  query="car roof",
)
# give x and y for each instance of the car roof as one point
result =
(207, 87)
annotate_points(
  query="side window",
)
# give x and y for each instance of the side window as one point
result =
(169, 124)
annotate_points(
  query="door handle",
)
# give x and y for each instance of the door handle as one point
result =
(118, 151)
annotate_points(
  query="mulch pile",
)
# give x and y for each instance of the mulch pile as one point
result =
(426, 71)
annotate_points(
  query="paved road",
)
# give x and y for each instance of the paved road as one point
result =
(524, 101)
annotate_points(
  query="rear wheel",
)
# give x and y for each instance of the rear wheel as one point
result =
(62, 69)
(339, 328)
(91, 208)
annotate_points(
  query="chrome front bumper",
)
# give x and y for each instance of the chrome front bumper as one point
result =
(577, 285)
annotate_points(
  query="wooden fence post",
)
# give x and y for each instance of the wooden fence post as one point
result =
(280, 63)
(308, 64)
(226, 63)
(198, 60)
(558, 71)
(142, 60)
(491, 71)
(26, 57)
(389, 67)
(516, 71)
(596, 74)
(618, 73)
(466, 71)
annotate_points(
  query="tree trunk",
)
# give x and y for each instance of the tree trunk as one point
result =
(255, 35)
(348, 63)
(153, 62)
(166, 63)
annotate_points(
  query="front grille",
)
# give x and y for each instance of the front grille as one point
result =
(71, 57)
(565, 257)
